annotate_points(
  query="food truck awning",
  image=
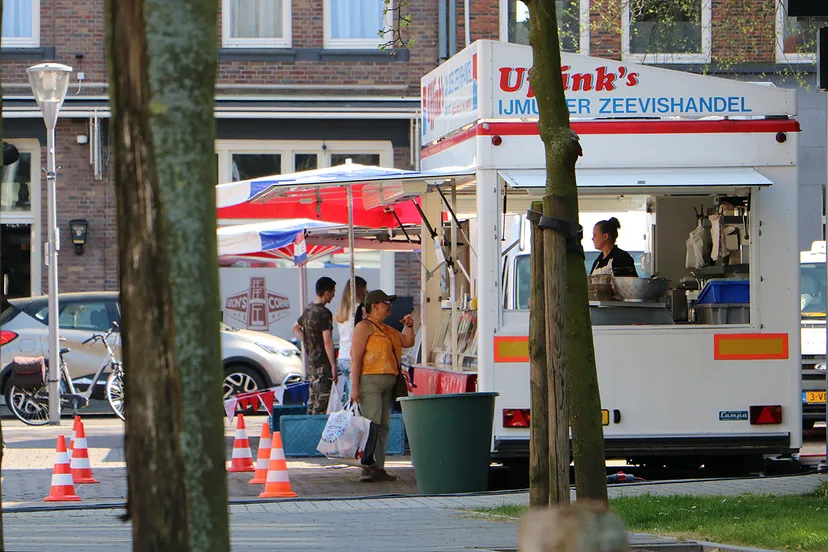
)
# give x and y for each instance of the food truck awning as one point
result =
(629, 180)
(322, 194)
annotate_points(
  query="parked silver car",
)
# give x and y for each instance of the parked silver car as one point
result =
(252, 360)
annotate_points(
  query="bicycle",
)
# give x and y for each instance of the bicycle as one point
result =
(32, 406)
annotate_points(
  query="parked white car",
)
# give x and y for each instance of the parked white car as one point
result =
(252, 360)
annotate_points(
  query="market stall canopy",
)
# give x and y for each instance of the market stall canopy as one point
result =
(322, 194)
(635, 180)
(282, 239)
(265, 236)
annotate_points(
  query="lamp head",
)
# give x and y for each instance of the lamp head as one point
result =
(49, 82)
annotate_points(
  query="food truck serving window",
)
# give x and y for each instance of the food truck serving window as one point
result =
(690, 254)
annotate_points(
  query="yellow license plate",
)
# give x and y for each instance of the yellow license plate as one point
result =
(605, 413)
(815, 396)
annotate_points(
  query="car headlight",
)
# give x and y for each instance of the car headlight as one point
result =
(821, 367)
(276, 350)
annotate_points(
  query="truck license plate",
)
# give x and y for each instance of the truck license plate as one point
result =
(815, 396)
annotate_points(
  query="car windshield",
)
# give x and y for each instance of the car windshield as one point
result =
(812, 292)
(8, 315)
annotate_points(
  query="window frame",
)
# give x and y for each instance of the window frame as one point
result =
(705, 56)
(225, 149)
(227, 41)
(351, 43)
(583, 25)
(26, 42)
(781, 56)
(32, 216)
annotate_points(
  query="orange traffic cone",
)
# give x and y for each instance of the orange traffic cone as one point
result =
(263, 460)
(278, 482)
(62, 488)
(74, 435)
(242, 458)
(81, 469)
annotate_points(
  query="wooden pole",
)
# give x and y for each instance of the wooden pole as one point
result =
(539, 422)
(554, 256)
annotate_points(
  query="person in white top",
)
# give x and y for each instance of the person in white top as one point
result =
(345, 327)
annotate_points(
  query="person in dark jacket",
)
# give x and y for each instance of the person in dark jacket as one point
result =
(613, 260)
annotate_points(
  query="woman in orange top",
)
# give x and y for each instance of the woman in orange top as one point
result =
(376, 354)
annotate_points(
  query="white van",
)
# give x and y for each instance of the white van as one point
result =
(812, 305)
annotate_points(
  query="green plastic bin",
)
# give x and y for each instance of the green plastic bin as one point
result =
(450, 438)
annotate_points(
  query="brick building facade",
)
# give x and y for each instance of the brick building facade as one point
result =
(306, 90)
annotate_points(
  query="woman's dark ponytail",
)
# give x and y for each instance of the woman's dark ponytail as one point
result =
(360, 314)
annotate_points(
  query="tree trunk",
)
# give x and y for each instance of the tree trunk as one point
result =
(181, 38)
(2, 448)
(562, 151)
(157, 500)
(539, 420)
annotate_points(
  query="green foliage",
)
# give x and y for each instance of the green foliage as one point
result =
(397, 34)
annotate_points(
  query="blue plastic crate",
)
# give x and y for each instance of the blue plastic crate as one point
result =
(725, 291)
(301, 434)
(285, 410)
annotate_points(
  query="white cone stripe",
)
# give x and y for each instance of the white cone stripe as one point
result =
(80, 443)
(277, 454)
(62, 480)
(280, 476)
(61, 458)
(242, 453)
(265, 443)
(241, 434)
(80, 463)
(262, 464)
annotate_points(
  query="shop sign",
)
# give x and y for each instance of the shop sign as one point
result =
(257, 307)
(600, 88)
(449, 96)
(492, 80)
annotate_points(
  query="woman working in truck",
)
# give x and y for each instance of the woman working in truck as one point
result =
(613, 260)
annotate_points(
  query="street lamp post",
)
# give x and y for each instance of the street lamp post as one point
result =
(49, 82)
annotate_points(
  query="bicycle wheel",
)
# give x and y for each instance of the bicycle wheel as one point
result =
(115, 393)
(30, 407)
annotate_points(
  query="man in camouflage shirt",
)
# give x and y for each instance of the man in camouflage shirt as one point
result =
(315, 329)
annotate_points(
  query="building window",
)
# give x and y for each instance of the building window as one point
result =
(369, 159)
(21, 23)
(256, 23)
(356, 23)
(667, 32)
(246, 159)
(573, 23)
(796, 37)
(255, 165)
(16, 194)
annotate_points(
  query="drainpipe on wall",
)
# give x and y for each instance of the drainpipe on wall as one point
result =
(467, 17)
(452, 34)
(442, 30)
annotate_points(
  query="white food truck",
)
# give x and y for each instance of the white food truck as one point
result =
(713, 374)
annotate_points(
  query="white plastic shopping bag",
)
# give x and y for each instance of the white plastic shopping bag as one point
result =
(345, 434)
(337, 391)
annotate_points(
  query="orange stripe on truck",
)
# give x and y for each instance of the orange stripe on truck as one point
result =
(750, 346)
(511, 348)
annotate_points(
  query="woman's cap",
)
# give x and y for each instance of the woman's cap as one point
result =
(378, 296)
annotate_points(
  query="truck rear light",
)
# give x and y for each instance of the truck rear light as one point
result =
(765, 414)
(516, 417)
(7, 337)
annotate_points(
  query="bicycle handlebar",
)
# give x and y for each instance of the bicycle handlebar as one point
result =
(102, 337)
